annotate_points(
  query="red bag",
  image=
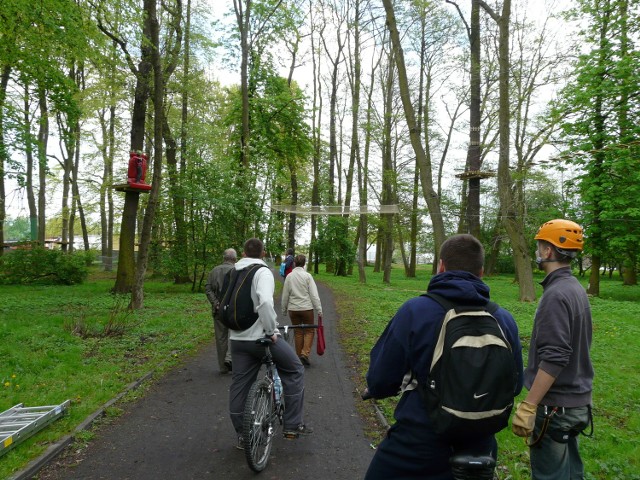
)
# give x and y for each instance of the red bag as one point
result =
(320, 345)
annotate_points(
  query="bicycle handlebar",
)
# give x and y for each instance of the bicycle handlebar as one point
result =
(302, 325)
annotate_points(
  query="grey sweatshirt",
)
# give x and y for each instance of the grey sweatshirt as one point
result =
(561, 340)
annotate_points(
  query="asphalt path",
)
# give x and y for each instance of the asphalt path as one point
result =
(181, 429)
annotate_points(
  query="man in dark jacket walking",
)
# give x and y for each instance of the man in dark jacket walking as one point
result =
(412, 449)
(213, 290)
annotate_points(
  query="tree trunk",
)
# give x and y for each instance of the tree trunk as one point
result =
(291, 230)
(243, 16)
(377, 263)
(403, 250)
(292, 164)
(179, 203)
(107, 127)
(43, 139)
(413, 235)
(494, 252)
(388, 172)
(474, 151)
(333, 107)
(333, 142)
(596, 237)
(510, 205)
(28, 148)
(354, 152)
(137, 293)
(67, 167)
(317, 143)
(594, 276)
(178, 249)
(625, 126)
(363, 178)
(629, 271)
(430, 196)
(76, 194)
(126, 256)
(4, 157)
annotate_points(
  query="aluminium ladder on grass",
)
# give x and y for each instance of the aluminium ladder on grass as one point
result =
(20, 422)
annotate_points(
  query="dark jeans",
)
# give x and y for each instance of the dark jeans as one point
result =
(559, 460)
(247, 360)
(413, 452)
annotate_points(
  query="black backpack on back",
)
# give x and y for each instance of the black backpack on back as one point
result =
(236, 307)
(472, 379)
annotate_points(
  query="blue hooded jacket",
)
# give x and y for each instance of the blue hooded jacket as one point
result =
(408, 342)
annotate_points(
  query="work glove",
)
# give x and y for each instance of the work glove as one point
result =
(524, 419)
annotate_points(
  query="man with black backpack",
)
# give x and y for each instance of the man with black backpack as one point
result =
(250, 315)
(423, 349)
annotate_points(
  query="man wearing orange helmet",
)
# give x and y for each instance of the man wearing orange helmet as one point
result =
(559, 374)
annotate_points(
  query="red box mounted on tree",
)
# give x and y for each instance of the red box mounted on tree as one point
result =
(137, 171)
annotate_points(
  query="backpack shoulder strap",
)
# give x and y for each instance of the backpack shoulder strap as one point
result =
(444, 303)
(447, 304)
(492, 307)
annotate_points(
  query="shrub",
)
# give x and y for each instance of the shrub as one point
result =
(505, 265)
(40, 265)
(89, 256)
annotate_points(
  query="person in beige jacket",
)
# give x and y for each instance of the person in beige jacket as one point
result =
(299, 300)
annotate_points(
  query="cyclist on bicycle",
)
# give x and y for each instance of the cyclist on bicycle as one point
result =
(247, 355)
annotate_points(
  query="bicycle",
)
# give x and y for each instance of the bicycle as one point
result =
(263, 412)
(264, 408)
(464, 466)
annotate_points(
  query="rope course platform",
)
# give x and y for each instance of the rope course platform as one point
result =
(336, 209)
(470, 174)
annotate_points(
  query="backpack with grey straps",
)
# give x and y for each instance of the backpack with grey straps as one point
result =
(473, 376)
(237, 309)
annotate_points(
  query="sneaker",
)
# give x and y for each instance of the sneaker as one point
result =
(301, 429)
(240, 444)
(305, 360)
(227, 364)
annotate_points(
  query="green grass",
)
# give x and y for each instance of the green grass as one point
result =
(43, 363)
(612, 452)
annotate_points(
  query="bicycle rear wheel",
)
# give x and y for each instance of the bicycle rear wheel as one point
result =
(259, 425)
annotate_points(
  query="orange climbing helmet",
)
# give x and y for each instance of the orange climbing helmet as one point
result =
(563, 234)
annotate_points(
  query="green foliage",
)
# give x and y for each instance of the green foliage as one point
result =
(504, 264)
(40, 265)
(334, 245)
(18, 229)
(612, 453)
(601, 123)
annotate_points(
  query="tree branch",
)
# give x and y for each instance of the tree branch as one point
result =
(116, 39)
(492, 13)
(466, 25)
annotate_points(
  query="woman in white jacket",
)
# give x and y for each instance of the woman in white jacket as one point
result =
(299, 300)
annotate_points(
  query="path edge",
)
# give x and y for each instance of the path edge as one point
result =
(54, 450)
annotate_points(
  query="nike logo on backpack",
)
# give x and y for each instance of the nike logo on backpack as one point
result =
(476, 396)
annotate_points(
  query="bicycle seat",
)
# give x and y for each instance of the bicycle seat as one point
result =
(265, 342)
(468, 466)
(471, 461)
